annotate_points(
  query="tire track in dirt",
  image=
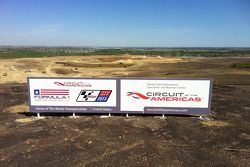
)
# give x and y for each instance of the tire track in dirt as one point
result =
(52, 65)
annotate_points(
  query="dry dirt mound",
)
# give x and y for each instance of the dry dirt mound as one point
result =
(64, 71)
(17, 70)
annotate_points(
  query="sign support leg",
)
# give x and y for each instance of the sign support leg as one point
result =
(127, 115)
(106, 116)
(163, 116)
(74, 115)
(38, 116)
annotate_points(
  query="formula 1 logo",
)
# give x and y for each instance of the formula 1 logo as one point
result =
(94, 95)
(51, 94)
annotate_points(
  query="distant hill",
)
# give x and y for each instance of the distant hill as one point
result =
(22, 52)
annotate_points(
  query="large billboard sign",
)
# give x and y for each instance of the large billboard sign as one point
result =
(120, 95)
(73, 95)
(169, 96)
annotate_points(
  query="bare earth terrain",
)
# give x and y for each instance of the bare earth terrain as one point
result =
(58, 140)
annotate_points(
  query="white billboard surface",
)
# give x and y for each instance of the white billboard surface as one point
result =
(138, 94)
(72, 92)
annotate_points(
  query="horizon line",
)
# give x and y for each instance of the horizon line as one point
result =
(119, 47)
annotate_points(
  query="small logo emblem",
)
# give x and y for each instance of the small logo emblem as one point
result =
(137, 95)
(94, 95)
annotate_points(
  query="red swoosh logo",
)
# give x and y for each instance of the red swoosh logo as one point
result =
(138, 95)
(59, 83)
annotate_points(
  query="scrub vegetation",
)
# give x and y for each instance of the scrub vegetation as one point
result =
(33, 52)
(241, 65)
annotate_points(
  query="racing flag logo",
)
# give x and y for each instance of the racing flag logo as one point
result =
(94, 95)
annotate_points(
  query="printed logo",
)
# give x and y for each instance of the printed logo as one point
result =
(51, 94)
(73, 84)
(94, 95)
(165, 96)
(46, 92)
(59, 83)
(137, 95)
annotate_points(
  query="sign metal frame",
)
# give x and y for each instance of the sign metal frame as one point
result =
(117, 109)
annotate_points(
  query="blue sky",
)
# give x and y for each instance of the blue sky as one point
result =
(126, 23)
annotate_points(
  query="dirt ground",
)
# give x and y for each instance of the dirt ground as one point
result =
(17, 70)
(89, 140)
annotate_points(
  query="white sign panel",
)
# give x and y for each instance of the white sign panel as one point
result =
(175, 96)
(67, 92)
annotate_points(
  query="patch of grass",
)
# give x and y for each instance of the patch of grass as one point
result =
(24, 120)
(18, 108)
(215, 123)
(241, 65)
(33, 52)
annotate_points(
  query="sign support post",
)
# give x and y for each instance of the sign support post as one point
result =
(163, 116)
(39, 116)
